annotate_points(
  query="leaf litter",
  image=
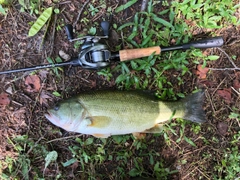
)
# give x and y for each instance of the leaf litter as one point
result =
(4, 99)
(226, 94)
(33, 83)
(201, 71)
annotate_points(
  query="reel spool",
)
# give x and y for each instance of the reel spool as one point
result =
(93, 54)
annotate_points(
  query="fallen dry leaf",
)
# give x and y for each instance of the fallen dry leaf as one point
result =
(74, 166)
(207, 83)
(236, 81)
(236, 84)
(225, 94)
(32, 83)
(222, 128)
(4, 99)
(43, 74)
(43, 98)
(72, 7)
(64, 55)
(201, 72)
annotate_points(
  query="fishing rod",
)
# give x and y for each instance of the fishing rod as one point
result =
(95, 55)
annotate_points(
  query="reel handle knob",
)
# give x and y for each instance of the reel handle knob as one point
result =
(105, 27)
(69, 31)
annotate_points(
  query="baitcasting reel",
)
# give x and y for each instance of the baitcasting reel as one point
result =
(93, 54)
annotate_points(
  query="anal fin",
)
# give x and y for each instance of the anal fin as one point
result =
(155, 129)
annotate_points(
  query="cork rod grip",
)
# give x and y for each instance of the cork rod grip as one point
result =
(129, 54)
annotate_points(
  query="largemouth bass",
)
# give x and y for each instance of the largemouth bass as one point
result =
(106, 113)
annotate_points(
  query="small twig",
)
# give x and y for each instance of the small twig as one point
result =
(185, 177)
(64, 138)
(229, 58)
(208, 178)
(53, 35)
(218, 86)
(15, 102)
(65, 2)
(234, 41)
(224, 69)
(80, 13)
(238, 93)
(97, 16)
(213, 107)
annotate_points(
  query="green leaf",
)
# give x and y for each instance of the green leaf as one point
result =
(150, 7)
(189, 141)
(197, 6)
(25, 163)
(125, 6)
(161, 21)
(121, 78)
(89, 141)
(163, 12)
(58, 59)
(92, 30)
(125, 25)
(69, 162)
(147, 39)
(56, 11)
(125, 69)
(233, 115)
(134, 64)
(146, 27)
(213, 57)
(2, 10)
(57, 94)
(50, 60)
(43, 18)
(151, 159)
(181, 95)
(2, 2)
(51, 156)
(115, 26)
(134, 172)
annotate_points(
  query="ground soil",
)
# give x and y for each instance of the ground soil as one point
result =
(29, 99)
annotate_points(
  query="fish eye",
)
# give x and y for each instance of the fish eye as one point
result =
(56, 107)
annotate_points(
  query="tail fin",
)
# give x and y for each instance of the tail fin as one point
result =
(194, 110)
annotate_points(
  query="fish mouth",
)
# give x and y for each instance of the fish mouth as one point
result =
(51, 117)
(48, 115)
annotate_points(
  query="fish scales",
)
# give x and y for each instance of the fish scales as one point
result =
(129, 111)
(105, 113)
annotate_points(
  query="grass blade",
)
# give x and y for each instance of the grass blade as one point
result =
(125, 6)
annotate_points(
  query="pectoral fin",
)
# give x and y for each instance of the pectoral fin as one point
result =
(99, 121)
(155, 129)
